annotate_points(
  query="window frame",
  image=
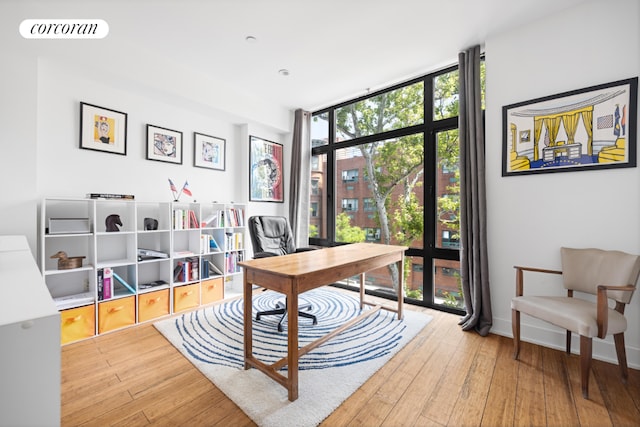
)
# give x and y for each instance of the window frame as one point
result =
(429, 128)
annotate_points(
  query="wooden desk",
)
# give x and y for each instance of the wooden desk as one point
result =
(297, 273)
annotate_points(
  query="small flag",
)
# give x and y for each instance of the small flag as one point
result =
(172, 185)
(186, 190)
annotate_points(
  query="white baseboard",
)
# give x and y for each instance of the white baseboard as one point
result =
(555, 338)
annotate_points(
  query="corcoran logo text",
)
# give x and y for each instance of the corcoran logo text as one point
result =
(64, 29)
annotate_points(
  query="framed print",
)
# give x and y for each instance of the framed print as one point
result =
(586, 129)
(208, 151)
(103, 129)
(266, 182)
(164, 145)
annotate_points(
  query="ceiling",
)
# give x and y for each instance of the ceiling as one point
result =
(333, 49)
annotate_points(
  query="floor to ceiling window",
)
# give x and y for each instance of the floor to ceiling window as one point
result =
(385, 169)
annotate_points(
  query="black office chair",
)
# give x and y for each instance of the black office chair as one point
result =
(272, 236)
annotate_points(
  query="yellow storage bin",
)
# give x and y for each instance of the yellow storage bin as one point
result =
(186, 297)
(116, 314)
(212, 290)
(153, 304)
(77, 323)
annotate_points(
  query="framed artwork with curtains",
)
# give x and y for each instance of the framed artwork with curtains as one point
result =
(584, 129)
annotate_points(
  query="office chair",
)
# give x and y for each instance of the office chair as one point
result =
(272, 236)
(605, 274)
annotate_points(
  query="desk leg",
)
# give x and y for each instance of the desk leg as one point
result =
(292, 343)
(362, 280)
(248, 320)
(400, 286)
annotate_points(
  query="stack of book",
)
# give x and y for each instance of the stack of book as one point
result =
(187, 270)
(184, 219)
(235, 241)
(235, 217)
(231, 261)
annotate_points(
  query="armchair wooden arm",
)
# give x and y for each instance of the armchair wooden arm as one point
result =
(602, 314)
(520, 276)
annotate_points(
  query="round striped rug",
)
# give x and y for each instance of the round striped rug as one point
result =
(215, 334)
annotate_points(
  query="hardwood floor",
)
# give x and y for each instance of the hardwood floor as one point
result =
(444, 377)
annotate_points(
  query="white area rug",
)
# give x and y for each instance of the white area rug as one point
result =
(212, 339)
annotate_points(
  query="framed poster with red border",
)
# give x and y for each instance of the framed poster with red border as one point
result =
(266, 180)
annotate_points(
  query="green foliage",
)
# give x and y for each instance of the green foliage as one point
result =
(413, 293)
(390, 110)
(445, 98)
(395, 167)
(451, 300)
(313, 230)
(346, 233)
(408, 220)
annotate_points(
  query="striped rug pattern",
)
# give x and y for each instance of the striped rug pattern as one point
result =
(215, 335)
(212, 339)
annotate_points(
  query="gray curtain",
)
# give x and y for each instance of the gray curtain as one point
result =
(300, 178)
(474, 264)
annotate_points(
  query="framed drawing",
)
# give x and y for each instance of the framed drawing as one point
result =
(103, 129)
(208, 151)
(585, 129)
(266, 182)
(164, 145)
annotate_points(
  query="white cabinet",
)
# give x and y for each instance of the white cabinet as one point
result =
(150, 247)
(29, 331)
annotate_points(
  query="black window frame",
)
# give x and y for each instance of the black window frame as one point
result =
(429, 128)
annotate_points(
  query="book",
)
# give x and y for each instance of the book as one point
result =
(204, 270)
(210, 220)
(100, 284)
(183, 253)
(107, 283)
(208, 244)
(194, 270)
(111, 196)
(185, 272)
(213, 245)
(177, 272)
(193, 220)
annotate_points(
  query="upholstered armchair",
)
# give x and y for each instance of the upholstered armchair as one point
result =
(609, 275)
(272, 236)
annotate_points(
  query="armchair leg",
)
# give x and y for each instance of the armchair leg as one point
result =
(515, 326)
(622, 356)
(585, 363)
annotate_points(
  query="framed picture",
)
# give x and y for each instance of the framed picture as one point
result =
(208, 151)
(164, 145)
(266, 183)
(103, 129)
(585, 129)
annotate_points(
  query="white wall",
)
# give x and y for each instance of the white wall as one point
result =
(42, 85)
(530, 217)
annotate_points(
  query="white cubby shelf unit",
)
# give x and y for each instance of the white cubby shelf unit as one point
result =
(182, 249)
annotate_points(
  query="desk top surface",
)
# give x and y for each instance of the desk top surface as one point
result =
(322, 259)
